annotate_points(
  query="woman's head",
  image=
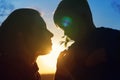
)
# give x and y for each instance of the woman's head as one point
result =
(29, 25)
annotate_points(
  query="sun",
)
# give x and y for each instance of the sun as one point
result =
(47, 63)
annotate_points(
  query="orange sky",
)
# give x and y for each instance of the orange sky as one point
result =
(47, 63)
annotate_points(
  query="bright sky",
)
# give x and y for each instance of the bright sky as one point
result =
(105, 13)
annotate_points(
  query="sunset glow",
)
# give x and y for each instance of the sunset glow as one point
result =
(47, 63)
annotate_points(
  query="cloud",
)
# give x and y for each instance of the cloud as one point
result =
(5, 7)
(116, 5)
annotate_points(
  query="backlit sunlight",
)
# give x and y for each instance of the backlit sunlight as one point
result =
(47, 63)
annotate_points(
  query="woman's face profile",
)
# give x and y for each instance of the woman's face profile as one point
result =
(39, 40)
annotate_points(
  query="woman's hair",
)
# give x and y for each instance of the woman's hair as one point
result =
(22, 20)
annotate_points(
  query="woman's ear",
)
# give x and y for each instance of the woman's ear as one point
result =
(20, 37)
(98, 56)
(20, 40)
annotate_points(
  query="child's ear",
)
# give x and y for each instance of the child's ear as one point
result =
(96, 57)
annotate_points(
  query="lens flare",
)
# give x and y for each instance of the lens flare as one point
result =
(66, 21)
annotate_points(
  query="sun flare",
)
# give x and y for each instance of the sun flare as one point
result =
(47, 63)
